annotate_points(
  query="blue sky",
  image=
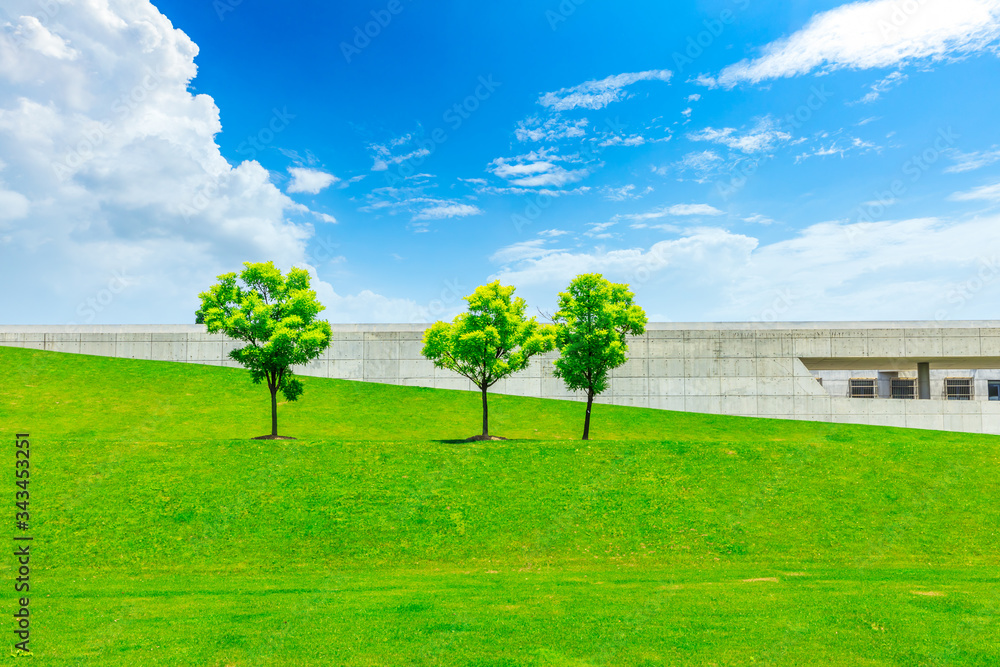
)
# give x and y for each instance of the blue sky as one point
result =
(731, 160)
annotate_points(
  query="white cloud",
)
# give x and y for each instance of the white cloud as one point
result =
(829, 271)
(383, 153)
(677, 210)
(971, 161)
(550, 129)
(630, 140)
(31, 33)
(598, 230)
(701, 163)
(517, 252)
(310, 181)
(624, 193)
(758, 219)
(415, 202)
(444, 210)
(123, 209)
(882, 86)
(367, 307)
(874, 34)
(693, 97)
(693, 209)
(599, 94)
(763, 138)
(853, 144)
(983, 192)
(536, 170)
(13, 205)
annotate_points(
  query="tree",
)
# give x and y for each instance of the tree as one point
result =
(275, 316)
(489, 342)
(593, 319)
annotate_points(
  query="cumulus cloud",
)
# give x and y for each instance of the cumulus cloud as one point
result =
(874, 34)
(601, 93)
(310, 181)
(112, 177)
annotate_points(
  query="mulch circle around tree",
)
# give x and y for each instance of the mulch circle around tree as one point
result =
(274, 437)
(480, 438)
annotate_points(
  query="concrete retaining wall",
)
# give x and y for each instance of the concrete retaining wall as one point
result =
(755, 370)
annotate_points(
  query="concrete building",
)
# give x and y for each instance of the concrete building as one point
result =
(933, 375)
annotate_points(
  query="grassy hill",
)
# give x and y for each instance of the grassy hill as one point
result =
(164, 535)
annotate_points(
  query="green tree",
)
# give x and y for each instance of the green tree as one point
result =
(593, 319)
(489, 342)
(275, 316)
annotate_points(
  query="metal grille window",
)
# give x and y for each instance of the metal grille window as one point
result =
(958, 389)
(862, 388)
(903, 388)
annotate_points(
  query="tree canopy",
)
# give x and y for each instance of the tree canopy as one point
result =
(490, 341)
(593, 320)
(275, 316)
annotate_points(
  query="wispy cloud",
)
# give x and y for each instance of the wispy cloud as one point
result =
(676, 210)
(763, 138)
(983, 192)
(385, 154)
(976, 160)
(624, 192)
(882, 86)
(851, 145)
(523, 250)
(536, 170)
(442, 210)
(874, 34)
(551, 129)
(599, 94)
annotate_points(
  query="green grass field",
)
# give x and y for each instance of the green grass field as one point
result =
(165, 536)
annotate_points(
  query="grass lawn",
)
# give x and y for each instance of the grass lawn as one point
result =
(165, 536)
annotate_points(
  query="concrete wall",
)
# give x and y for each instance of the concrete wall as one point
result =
(756, 370)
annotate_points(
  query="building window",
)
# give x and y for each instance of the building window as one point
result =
(994, 390)
(903, 388)
(862, 388)
(958, 389)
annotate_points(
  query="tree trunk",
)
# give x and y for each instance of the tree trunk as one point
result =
(274, 408)
(486, 414)
(586, 421)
